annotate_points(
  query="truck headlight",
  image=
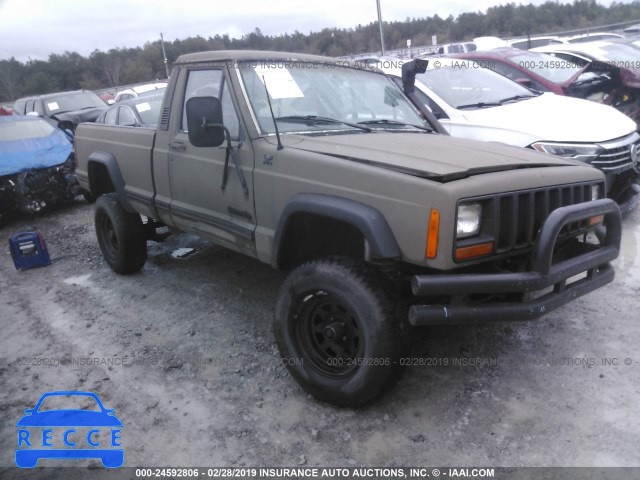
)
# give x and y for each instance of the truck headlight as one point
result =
(468, 223)
(580, 152)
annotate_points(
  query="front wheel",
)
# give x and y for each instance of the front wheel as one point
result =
(120, 235)
(337, 332)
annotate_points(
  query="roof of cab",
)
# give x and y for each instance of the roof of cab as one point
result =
(248, 55)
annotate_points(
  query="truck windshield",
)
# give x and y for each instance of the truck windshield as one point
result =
(323, 97)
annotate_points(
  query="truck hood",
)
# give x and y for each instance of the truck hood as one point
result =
(438, 157)
(554, 118)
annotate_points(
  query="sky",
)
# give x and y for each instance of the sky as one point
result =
(33, 29)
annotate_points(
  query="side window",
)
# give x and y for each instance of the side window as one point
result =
(18, 108)
(424, 99)
(110, 116)
(430, 104)
(201, 83)
(210, 83)
(506, 70)
(29, 107)
(37, 107)
(126, 117)
(515, 74)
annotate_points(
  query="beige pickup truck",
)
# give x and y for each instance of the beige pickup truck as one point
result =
(324, 168)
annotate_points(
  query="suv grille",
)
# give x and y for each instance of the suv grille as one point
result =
(619, 155)
(512, 220)
(521, 214)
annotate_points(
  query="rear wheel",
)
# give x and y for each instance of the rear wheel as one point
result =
(337, 331)
(120, 235)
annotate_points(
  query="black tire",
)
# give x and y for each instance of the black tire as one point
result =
(120, 235)
(336, 328)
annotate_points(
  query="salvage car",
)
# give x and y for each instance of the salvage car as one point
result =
(36, 165)
(326, 169)
(478, 103)
(65, 109)
(612, 59)
(546, 73)
(136, 112)
(139, 91)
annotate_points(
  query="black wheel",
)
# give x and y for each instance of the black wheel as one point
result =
(336, 328)
(120, 235)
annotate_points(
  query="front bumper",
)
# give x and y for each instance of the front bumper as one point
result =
(542, 275)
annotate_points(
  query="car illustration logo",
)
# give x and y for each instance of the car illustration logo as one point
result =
(82, 432)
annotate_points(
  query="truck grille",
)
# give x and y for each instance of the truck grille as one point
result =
(512, 220)
(619, 155)
(521, 214)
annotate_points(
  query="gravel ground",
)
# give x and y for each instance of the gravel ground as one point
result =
(184, 353)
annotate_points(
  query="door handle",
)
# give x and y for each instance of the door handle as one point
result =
(177, 146)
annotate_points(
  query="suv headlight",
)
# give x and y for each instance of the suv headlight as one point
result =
(580, 152)
(468, 223)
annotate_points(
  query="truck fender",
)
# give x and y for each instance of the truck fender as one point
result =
(368, 220)
(109, 162)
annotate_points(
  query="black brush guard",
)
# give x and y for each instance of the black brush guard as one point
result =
(543, 274)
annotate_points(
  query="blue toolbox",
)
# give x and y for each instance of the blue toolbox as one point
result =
(29, 250)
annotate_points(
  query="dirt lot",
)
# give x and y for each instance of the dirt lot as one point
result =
(184, 353)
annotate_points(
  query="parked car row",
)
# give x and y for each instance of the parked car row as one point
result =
(503, 94)
(37, 167)
(474, 102)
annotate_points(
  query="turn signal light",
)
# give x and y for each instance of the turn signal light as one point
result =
(432, 234)
(596, 220)
(465, 253)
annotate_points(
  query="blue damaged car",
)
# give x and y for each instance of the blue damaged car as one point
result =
(37, 165)
(92, 431)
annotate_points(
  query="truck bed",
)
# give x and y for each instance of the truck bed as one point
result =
(130, 147)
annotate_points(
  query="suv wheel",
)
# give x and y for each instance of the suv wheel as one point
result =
(120, 235)
(336, 330)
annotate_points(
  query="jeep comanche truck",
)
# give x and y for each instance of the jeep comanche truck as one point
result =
(384, 223)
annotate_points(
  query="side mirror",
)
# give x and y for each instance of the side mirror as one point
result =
(409, 71)
(204, 121)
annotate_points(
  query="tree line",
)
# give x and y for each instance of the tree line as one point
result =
(122, 66)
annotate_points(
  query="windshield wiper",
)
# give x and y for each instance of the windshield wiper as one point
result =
(394, 122)
(315, 120)
(479, 105)
(516, 98)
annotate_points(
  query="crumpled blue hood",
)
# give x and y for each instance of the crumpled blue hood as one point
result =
(34, 153)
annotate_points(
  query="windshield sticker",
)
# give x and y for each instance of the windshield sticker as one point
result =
(279, 81)
(53, 106)
(143, 107)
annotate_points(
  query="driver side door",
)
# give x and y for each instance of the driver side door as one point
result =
(199, 203)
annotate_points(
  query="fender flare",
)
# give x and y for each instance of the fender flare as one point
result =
(368, 220)
(117, 180)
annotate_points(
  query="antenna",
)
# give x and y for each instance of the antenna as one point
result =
(275, 124)
(164, 55)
